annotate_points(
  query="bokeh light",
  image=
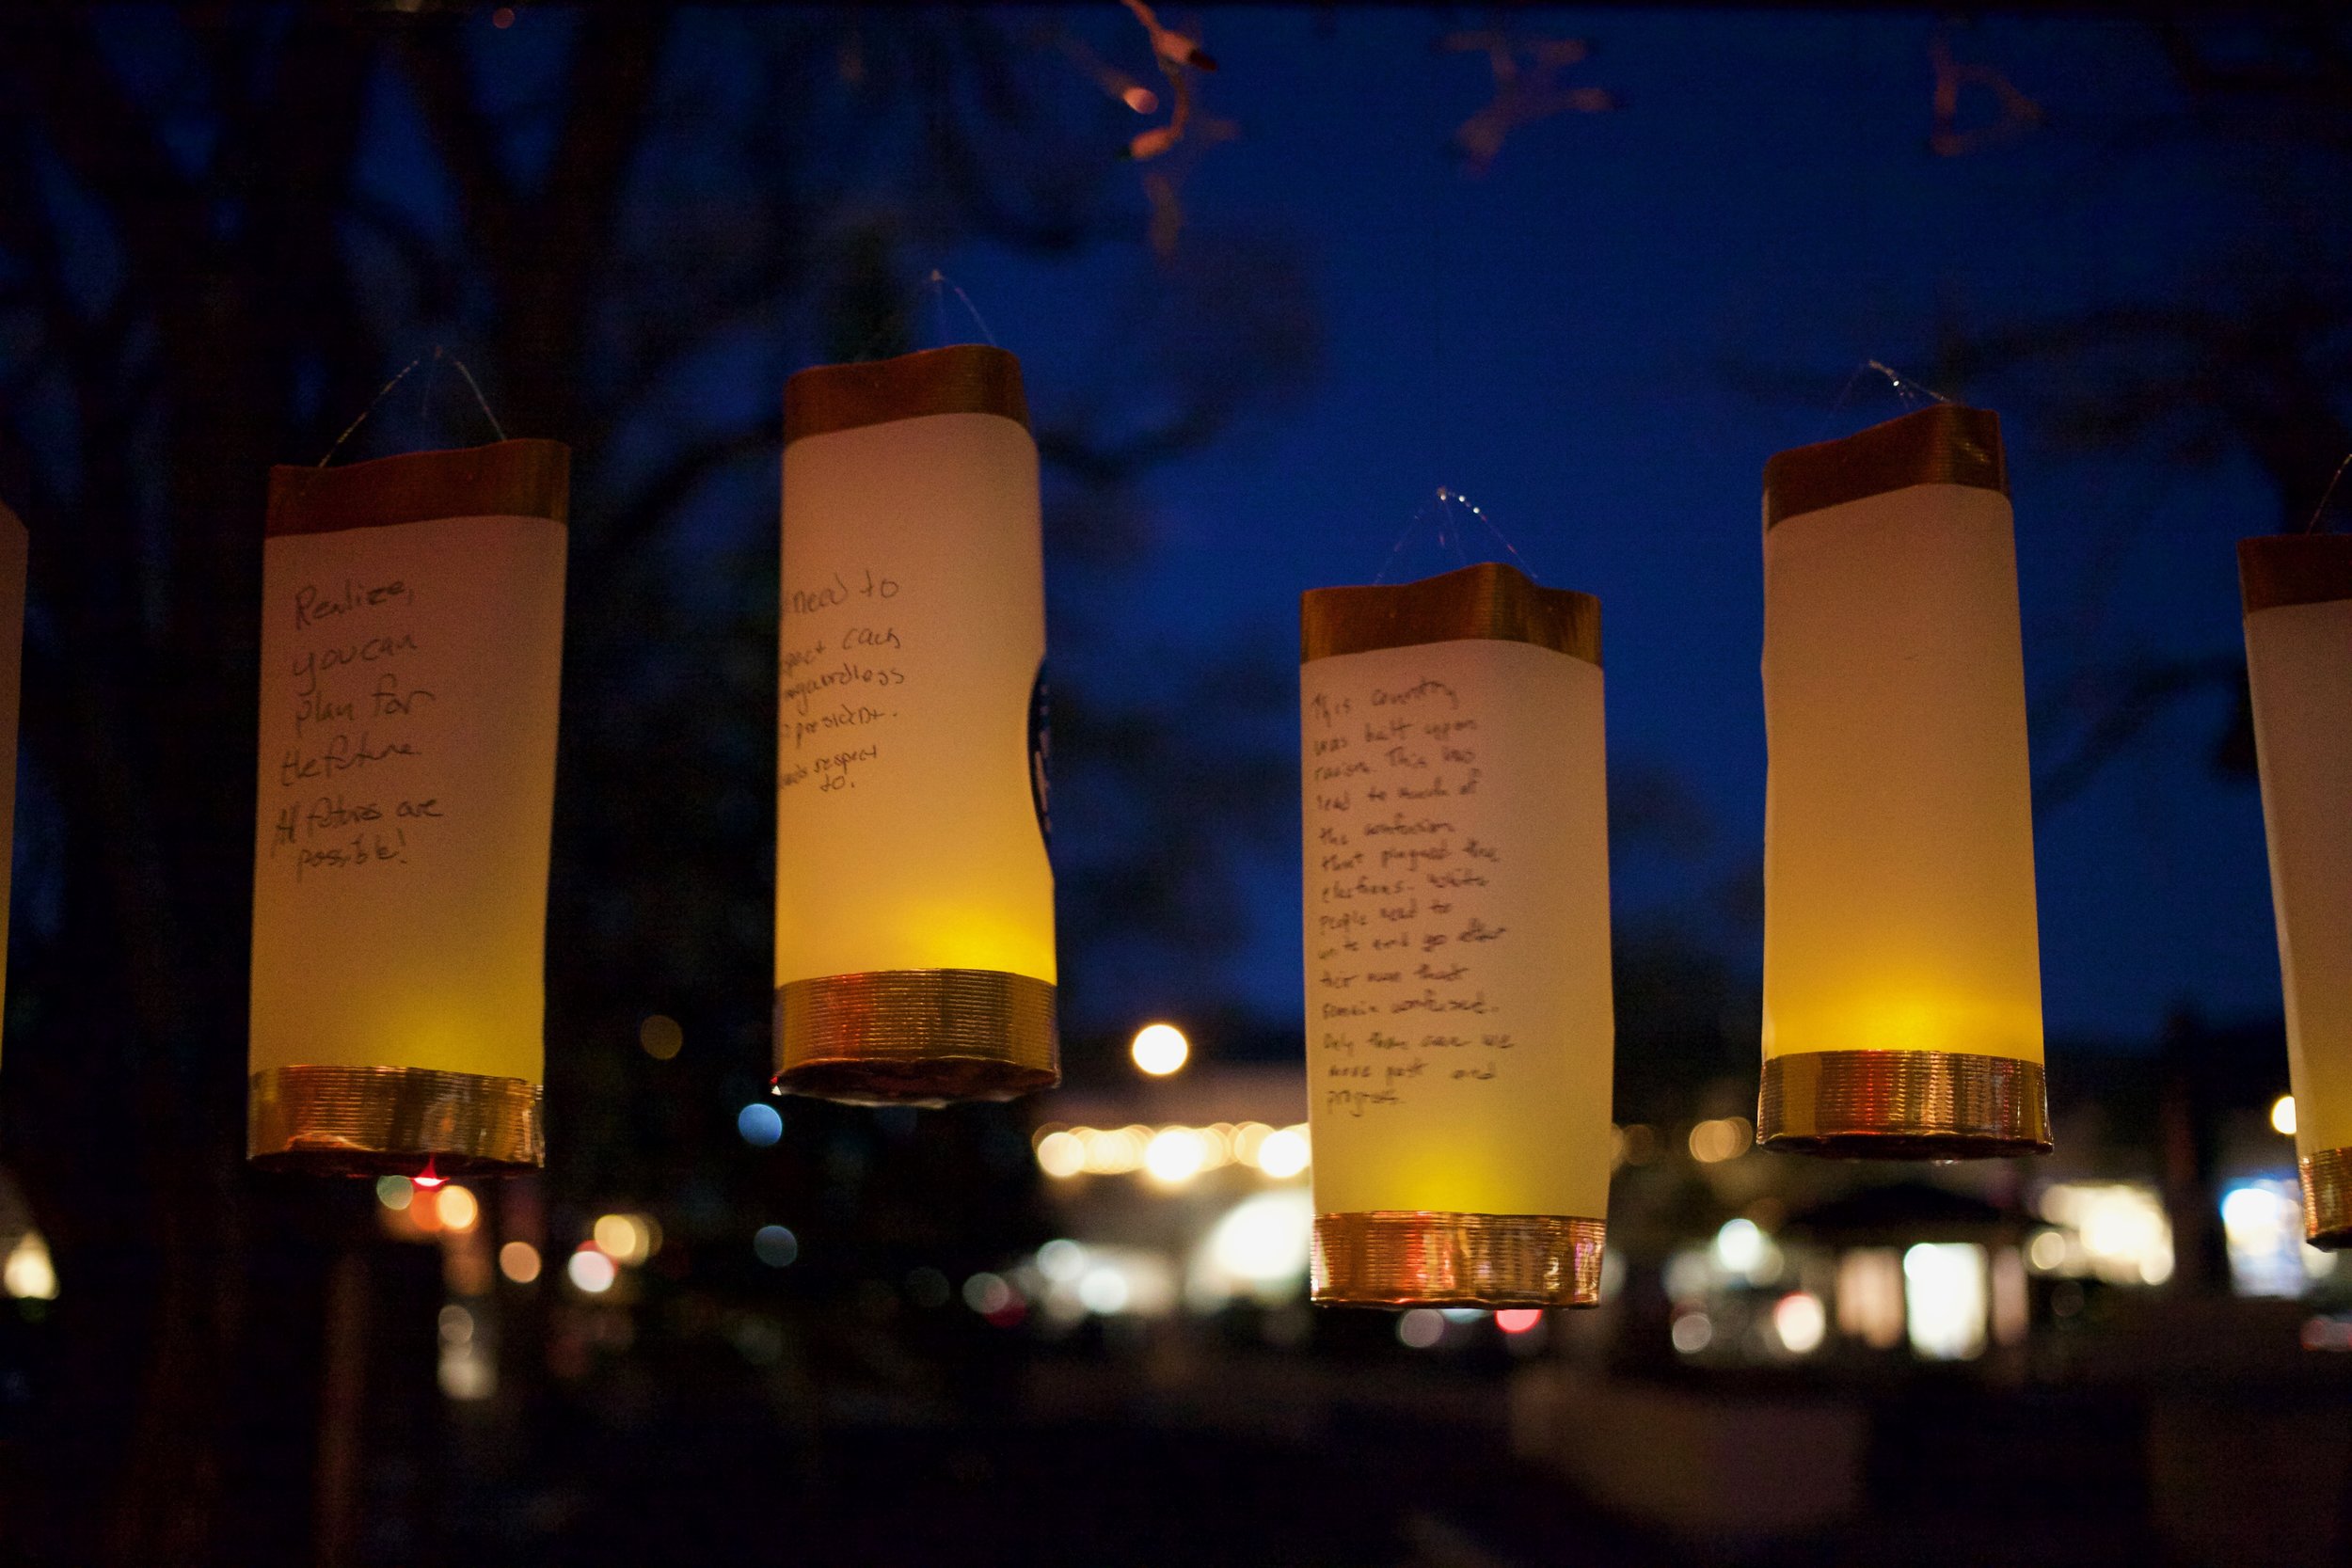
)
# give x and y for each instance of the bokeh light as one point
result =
(395, 1191)
(660, 1038)
(626, 1238)
(456, 1208)
(591, 1271)
(519, 1262)
(1061, 1153)
(1420, 1328)
(1160, 1049)
(1519, 1319)
(1283, 1154)
(1801, 1322)
(1174, 1156)
(760, 1124)
(775, 1245)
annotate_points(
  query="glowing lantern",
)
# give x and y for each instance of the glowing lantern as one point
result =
(412, 631)
(1460, 1020)
(914, 902)
(1902, 983)
(2298, 590)
(15, 547)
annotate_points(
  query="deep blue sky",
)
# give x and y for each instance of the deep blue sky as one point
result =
(1558, 339)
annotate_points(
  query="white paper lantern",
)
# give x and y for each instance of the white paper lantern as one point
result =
(1902, 989)
(2298, 590)
(412, 631)
(914, 901)
(1459, 1022)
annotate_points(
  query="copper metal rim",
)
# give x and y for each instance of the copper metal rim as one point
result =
(1903, 1105)
(2328, 1198)
(963, 378)
(389, 1120)
(2279, 569)
(504, 479)
(1947, 444)
(917, 1037)
(1489, 601)
(1414, 1258)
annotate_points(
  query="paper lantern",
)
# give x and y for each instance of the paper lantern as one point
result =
(2298, 590)
(1903, 982)
(915, 903)
(1459, 1022)
(412, 628)
(15, 549)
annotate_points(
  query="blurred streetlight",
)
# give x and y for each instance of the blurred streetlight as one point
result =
(1160, 1049)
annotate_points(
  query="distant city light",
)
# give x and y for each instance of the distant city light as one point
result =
(1258, 1248)
(2046, 1252)
(456, 1326)
(1420, 1328)
(1800, 1322)
(1726, 1138)
(456, 1208)
(775, 1247)
(30, 1275)
(1692, 1332)
(1160, 1049)
(591, 1271)
(2282, 1115)
(2262, 1224)
(987, 1294)
(626, 1238)
(1174, 1157)
(1103, 1291)
(1517, 1320)
(1060, 1154)
(1945, 1299)
(759, 1124)
(1283, 1154)
(1869, 1296)
(660, 1038)
(1742, 1250)
(2119, 1230)
(519, 1262)
(395, 1191)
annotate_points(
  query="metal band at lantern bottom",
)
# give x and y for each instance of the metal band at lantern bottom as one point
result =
(2328, 1198)
(1408, 1258)
(389, 1120)
(1903, 1105)
(917, 1037)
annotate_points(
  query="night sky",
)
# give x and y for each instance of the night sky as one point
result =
(1600, 339)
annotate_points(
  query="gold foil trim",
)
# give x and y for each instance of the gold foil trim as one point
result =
(1947, 444)
(2294, 568)
(1489, 600)
(967, 378)
(2328, 1198)
(917, 1037)
(504, 479)
(1903, 1105)
(1411, 1258)
(389, 1120)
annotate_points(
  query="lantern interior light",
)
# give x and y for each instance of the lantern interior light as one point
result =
(1160, 1049)
(1902, 988)
(915, 899)
(411, 650)
(2298, 596)
(2282, 1115)
(1460, 1020)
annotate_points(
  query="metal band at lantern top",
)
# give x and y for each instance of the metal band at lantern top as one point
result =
(2279, 569)
(1903, 1104)
(2328, 1198)
(967, 378)
(504, 479)
(1489, 600)
(1403, 1257)
(387, 1120)
(917, 1037)
(1947, 444)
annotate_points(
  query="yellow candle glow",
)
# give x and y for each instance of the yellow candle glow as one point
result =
(2298, 590)
(914, 902)
(412, 627)
(1460, 1020)
(1902, 989)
